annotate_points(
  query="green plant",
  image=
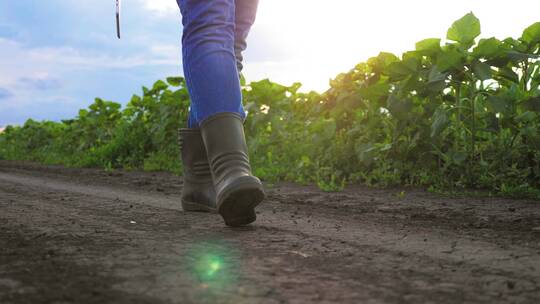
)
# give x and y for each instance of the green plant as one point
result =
(448, 115)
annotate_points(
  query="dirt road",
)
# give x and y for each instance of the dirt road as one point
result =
(89, 236)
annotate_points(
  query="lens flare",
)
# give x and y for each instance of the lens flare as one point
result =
(214, 265)
(209, 266)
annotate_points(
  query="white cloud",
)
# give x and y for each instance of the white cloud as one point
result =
(18, 61)
(161, 7)
(27, 72)
(168, 54)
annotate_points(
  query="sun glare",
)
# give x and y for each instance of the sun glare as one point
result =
(312, 41)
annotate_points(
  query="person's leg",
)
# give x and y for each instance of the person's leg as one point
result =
(210, 72)
(213, 83)
(246, 10)
(209, 58)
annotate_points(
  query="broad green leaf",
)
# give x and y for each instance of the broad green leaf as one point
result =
(450, 58)
(508, 74)
(465, 30)
(498, 104)
(374, 92)
(324, 129)
(436, 80)
(482, 70)
(135, 100)
(516, 45)
(531, 132)
(532, 104)
(387, 58)
(436, 75)
(410, 84)
(397, 70)
(526, 116)
(488, 48)
(531, 35)
(145, 90)
(439, 122)
(429, 46)
(160, 85)
(520, 57)
(412, 60)
(499, 61)
(175, 81)
(379, 63)
(83, 113)
(399, 108)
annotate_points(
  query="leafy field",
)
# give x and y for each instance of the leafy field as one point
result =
(460, 113)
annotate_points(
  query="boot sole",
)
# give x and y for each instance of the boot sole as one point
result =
(239, 202)
(196, 207)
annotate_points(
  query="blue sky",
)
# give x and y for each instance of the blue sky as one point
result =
(56, 56)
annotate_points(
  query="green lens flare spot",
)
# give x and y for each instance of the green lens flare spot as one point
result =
(210, 267)
(213, 265)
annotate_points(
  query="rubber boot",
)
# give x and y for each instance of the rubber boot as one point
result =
(198, 192)
(238, 192)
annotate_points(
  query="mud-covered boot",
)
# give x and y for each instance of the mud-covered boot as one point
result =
(238, 192)
(198, 192)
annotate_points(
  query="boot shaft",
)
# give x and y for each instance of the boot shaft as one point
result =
(198, 192)
(194, 158)
(238, 192)
(224, 139)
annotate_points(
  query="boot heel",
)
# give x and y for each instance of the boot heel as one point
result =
(238, 201)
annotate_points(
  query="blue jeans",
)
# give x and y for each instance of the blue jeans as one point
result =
(213, 40)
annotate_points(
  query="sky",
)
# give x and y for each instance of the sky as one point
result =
(56, 56)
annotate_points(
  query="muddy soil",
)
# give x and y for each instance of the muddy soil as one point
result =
(90, 236)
